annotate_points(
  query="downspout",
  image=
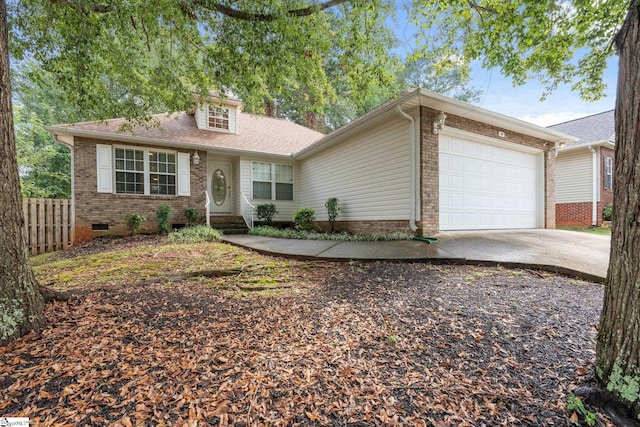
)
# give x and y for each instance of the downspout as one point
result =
(72, 232)
(595, 185)
(412, 173)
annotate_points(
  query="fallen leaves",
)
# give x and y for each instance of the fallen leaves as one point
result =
(186, 353)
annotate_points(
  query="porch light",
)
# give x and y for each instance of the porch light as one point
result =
(439, 123)
(195, 158)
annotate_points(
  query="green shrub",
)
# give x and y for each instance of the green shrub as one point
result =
(163, 213)
(266, 212)
(195, 234)
(134, 222)
(333, 210)
(312, 235)
(192, 216)
(607, 213)
(303, 219)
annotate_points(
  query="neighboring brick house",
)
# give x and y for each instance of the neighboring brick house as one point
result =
(419, 163)
(584, 170)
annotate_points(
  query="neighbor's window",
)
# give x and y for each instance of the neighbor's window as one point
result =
(218, 117)
(145, 172)
(265, 187)
(608, 173)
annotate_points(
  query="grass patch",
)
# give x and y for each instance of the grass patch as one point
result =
(288, 233)
(160, 260)
(600, 231)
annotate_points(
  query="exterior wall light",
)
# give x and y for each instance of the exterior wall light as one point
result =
(195, 158)
(439, 123)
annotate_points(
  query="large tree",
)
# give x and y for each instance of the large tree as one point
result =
(569, 42)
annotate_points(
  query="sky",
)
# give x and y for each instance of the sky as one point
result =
(522, 102)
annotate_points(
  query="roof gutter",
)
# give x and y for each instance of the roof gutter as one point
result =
(413, 169)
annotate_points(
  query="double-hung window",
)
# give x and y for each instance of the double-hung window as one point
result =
(129, 171)
(140, 171)
(608, 173)
(272, 181)
(218, 117)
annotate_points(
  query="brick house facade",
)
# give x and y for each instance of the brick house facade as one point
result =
(585, 170)
(367, 164)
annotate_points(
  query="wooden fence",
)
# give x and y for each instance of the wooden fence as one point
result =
(48, 224)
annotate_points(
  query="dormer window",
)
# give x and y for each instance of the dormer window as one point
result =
(218, 117)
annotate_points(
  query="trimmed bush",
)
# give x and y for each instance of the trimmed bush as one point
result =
(195, 234)
(134, 222)
(303, 219)
(266, 212)
(192, 216)
(163, 213)
(333, 211)
(607, 213)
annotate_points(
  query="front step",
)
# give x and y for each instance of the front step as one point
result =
(229, 224)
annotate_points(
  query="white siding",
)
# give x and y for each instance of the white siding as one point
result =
(574, 177)
(369, 174)
(285, 207)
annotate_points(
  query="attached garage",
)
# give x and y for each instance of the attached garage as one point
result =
(488, 184)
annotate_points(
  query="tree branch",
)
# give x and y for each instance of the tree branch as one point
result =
(267, 17)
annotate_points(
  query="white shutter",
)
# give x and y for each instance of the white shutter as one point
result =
(104, 161)
(184, 174)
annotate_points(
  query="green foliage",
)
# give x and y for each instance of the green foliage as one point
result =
(265, 212)
(173, 49)
(333, 211)
(196, 234)
(303, 219)
(163, 214)
(267, 231)
(576, 405)
(607, 213)
(625, 387)
(134, 222)
(192, 216)
(392, 339)
(422, 72)
(554, 42)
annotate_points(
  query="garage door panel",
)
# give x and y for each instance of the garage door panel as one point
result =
(485, 186)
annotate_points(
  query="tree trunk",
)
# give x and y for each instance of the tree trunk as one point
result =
(21, 304)
(618, 344)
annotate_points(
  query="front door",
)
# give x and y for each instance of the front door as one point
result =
(220, 188)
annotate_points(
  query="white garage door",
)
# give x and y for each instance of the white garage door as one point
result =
(485, 186)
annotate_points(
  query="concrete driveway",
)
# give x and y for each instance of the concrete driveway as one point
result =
(582, 254)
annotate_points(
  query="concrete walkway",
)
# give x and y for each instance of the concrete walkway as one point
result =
(581, 254)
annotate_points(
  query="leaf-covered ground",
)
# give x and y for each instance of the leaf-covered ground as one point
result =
(355, 344)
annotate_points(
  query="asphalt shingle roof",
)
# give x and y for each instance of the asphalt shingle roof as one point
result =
(262, 134)
(591, 129)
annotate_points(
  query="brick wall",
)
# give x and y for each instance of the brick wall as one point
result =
(92, 207)
(574, 214)
(430, 167)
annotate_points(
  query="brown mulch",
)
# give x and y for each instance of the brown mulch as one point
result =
(357, 344)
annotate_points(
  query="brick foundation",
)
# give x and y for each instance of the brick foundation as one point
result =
(574, 214)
